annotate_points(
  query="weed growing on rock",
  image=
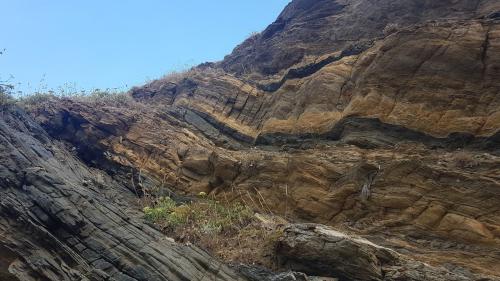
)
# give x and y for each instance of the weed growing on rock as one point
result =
(109, 98)
(6, 94)
(229, 230)
(161, 211)
(94, 97)
(207, 216)
(36, 99)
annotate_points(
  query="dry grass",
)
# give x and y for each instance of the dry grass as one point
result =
(6, 91)
(93, 98)
(253, 36)
(208, 216)
(464, 160)
(177, 76)
(5, 98)
(227, 230)
(108, 98)
(36, 99)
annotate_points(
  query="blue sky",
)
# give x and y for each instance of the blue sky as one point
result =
(120, 43)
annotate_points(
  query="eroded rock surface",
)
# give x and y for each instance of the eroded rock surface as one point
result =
(60, 220)
(434, 83)
(319, 249)
(379, 118)
(308, 28)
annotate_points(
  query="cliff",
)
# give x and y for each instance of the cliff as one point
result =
(378, 118)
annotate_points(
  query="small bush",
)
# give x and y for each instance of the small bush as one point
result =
(229, 231)
(207, 216)
(161, 211)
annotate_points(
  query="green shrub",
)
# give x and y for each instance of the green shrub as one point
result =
(161, 211)
(229, 231)
(207, 216)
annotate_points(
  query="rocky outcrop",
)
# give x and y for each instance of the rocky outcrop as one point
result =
(426, 88)
(316, 249)
(308, 28)
(432, 83)
(60, 220)
(372, 133)
(261, 274)
(438, 206)
(376, 117)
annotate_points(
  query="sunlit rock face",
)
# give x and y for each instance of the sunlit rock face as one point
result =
(377, 118)
(427, 67)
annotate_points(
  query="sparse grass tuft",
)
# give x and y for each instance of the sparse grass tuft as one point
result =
(36, 99)
(177, 76)
(5, 98)
(253, 36)
(94, 98)
(464, 160)
(109, 98)
(6, 91)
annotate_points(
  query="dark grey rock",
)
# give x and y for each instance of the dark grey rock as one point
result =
(54, 227)
(320, 250)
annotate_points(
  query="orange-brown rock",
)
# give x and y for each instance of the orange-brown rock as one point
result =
(381, 118)
(435, 82)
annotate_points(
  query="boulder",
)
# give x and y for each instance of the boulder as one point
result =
(320, 250)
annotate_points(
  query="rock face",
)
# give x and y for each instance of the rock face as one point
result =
(310, 28)
(312, 248)
(60, 220)
(316, 248)
(434, 83)
(380, 118)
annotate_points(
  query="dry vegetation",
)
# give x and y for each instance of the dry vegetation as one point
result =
(229, 230)
(6, 93)
(5, 98)
(176, 76)
(253, 36)
(463, 160)
(96, 98)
